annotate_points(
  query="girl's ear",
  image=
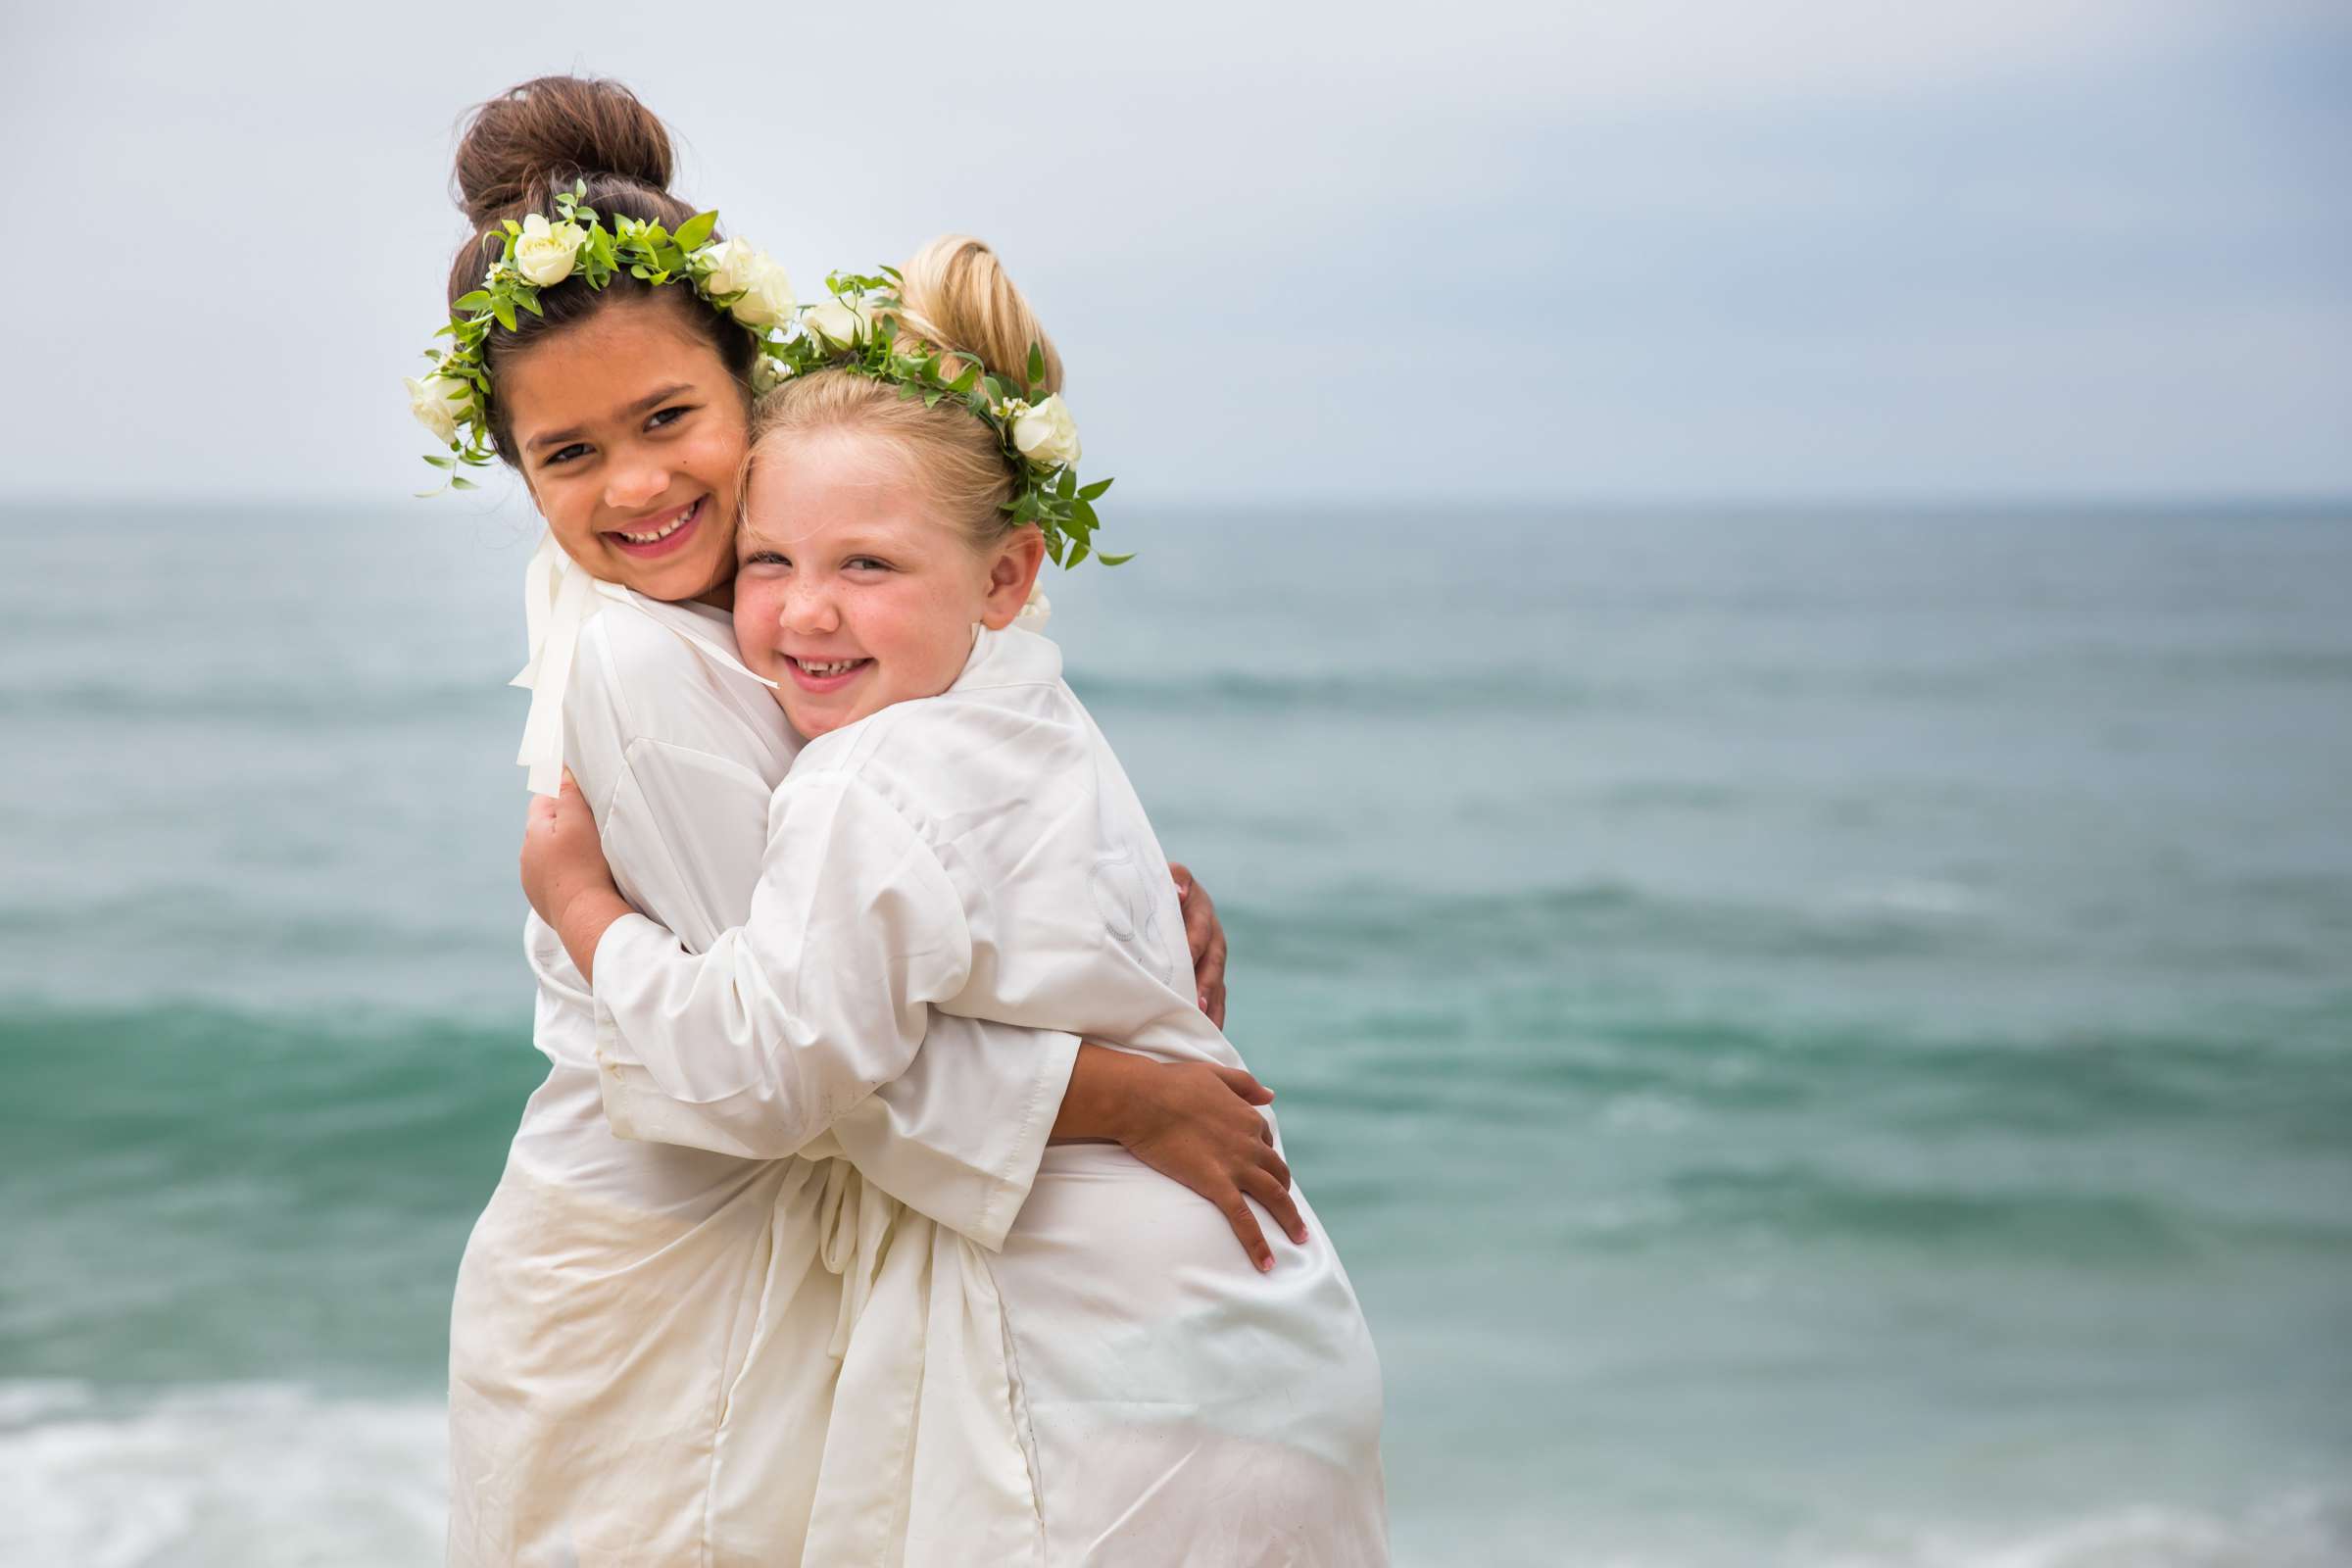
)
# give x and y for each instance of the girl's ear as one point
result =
(1012, 574)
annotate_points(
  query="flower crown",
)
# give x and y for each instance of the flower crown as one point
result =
(453, 399)
(855, 329)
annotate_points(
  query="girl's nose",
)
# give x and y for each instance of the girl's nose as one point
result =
(636, 485)
(808, 611)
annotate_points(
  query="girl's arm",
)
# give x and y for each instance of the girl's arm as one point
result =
(760, 1042)
(1193, 1122)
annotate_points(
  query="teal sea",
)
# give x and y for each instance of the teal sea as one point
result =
(1825, 1038)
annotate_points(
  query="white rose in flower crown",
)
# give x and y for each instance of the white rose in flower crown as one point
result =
(545, 252)
(838, 322)
(768, 374)
(1047, 434)
(439, 404)
(1036, 611)
(739, 267)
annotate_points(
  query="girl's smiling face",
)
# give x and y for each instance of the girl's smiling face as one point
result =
(629, 430)
(852, 592)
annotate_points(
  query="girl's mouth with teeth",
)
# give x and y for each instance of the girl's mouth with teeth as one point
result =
(663, 534)
(824, 674)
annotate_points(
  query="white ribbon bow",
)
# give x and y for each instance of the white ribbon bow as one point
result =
(559, 598)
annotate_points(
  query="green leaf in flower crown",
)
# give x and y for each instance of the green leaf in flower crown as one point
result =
(696, 230)
(1077, 553)
(1117, 560)
(1036, 363)
(438, 462)
(457, 481)
(1067, 486)
(472, 302)
(503, 310)
(1094, 492)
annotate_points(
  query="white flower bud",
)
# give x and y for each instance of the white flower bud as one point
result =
(439, 404)
(1036, 612)
(768, 374)
(838, 322)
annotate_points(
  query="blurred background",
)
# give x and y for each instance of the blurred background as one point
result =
(1747, 609)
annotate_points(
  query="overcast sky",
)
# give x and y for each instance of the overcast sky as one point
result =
(1648, 251)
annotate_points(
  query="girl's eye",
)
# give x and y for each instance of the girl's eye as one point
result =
(566, 455)
(666, 416)
(867, 564)
(765, 557)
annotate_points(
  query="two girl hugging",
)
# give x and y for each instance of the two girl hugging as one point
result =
(861, 1216)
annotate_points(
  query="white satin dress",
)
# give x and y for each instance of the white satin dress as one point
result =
(1116, 1385)
(645, 1338)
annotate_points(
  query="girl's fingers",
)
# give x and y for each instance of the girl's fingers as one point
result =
(1245, 1083)
(1201, 940)
(1274, 1165)
(1236, 1210)
(1278, 1203)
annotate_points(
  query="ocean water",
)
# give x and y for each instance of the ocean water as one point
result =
(1824, 1038)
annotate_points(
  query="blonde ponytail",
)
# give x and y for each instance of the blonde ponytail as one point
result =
(955, 295)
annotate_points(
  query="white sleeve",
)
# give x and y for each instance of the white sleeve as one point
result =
(787, 1021)
(960, 1134)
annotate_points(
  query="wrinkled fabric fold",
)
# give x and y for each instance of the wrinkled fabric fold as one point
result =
(676, 1379)
(927, 1466)
(558, 600)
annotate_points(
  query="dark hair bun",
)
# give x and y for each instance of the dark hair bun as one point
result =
(551, 129)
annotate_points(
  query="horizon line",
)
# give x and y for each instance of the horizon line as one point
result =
(484, 504)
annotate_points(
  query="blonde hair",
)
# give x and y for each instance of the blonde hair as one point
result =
(957, 298)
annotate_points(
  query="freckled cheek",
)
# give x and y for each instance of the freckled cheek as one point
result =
(755, 621)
